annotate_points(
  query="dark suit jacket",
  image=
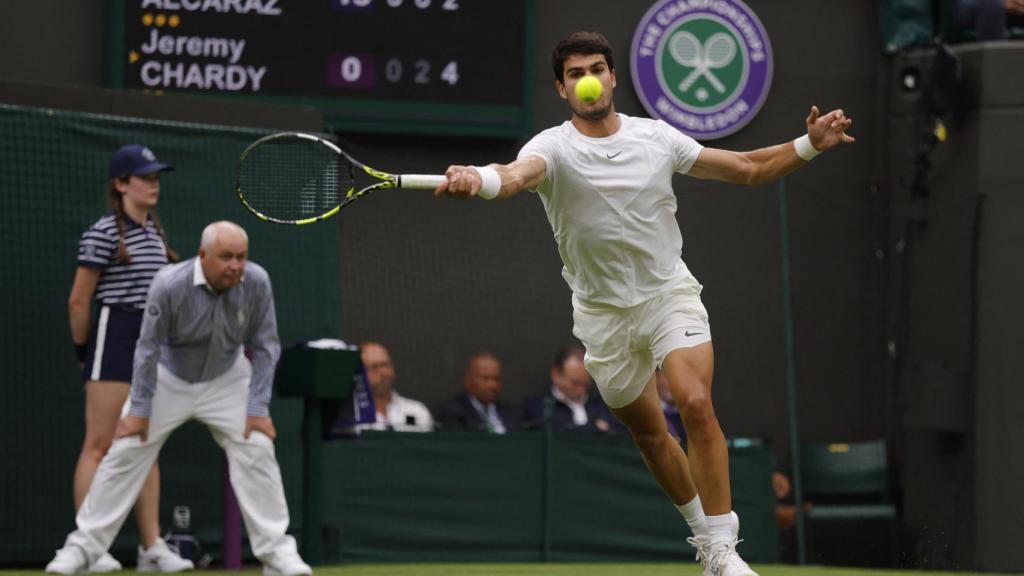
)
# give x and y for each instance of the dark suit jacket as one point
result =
(561, 416)
(459, 414)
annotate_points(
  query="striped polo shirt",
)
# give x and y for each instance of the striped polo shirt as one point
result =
(122, 284)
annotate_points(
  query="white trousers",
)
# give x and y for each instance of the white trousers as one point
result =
(220, 404)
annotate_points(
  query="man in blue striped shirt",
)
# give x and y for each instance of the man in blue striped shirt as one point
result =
(189, 363)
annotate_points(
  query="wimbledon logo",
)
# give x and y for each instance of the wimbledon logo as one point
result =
(703, 66)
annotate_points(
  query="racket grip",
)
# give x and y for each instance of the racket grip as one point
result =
(420, 180)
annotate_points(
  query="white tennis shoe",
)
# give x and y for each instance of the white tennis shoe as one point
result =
(720, 559)
(286, 564)
(160, 558)
(69, 560)
(104, 564)
(700, 543)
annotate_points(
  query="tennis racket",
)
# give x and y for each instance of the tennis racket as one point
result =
(296, 178)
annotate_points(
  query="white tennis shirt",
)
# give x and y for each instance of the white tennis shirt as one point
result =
(612, 209)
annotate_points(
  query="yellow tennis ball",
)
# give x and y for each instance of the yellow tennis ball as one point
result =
(588, 89)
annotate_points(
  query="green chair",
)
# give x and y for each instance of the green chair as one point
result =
(849, 483)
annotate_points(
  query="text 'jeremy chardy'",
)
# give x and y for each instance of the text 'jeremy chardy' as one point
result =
(206, 76)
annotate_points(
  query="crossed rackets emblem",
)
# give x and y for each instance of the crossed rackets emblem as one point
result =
(717, 52)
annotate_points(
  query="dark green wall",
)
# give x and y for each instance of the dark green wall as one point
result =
(570, 497)
(955, 315)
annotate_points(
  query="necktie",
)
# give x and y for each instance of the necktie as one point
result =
(489, 418)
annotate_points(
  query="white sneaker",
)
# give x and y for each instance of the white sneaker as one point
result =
(69, 560)
(104, 564)
(723, 560)
(701, 544)
(160, 558)
(286, 564)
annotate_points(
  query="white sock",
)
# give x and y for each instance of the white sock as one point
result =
(723, 527)
(694, 515)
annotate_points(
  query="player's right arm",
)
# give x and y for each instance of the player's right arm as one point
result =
(465, 182)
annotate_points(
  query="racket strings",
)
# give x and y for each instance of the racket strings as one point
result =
(293, 179)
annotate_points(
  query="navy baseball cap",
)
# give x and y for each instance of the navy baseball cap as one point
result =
(136, 159)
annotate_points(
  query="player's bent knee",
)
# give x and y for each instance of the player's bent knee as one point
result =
(697, 411)
(651, 441)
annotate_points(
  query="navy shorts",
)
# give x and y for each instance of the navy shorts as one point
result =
(111, 349)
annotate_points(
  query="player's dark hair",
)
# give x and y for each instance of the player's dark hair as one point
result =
(585, 43)
(117, 203)
(563, 355)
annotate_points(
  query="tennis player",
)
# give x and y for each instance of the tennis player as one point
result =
(605, 180)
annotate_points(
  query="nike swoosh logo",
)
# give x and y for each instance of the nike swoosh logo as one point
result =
(688, 333)
(610, 156)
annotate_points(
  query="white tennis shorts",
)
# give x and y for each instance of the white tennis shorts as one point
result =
(625, 345)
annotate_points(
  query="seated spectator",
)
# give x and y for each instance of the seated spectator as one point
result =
(574, 405)
(478, 407)
(394, 411)
(669, 408)
(990, 19)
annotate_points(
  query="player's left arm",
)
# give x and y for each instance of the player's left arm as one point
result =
(767, 164)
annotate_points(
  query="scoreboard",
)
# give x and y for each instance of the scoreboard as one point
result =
(406, 66)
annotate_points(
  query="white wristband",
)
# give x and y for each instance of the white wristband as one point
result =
(804, 148)
(490, 180)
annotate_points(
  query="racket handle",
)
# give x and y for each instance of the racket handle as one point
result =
(420, 180)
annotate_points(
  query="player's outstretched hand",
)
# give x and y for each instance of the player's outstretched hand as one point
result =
(828, 130)
(132, 426)
(262, 424)
(462, 182)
